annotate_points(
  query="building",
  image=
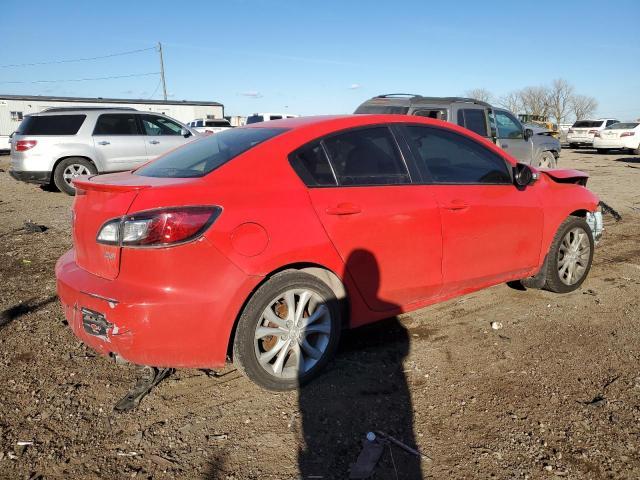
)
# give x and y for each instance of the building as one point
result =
(14, 107)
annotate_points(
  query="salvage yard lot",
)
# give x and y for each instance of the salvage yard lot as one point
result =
(554, 393)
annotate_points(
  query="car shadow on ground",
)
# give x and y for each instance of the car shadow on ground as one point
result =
(365, 390)
(12, 313)
(628, 160)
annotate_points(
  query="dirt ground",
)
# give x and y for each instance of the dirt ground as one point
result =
(555, 393)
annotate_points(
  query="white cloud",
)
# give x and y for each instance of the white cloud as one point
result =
(251, 93)
(355, 86)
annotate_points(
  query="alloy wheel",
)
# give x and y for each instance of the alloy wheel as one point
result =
(573, 256)
(74, 170)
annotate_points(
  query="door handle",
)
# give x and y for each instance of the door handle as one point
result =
(343, 209)
(154, 142)
(103, 142)
(457, 205)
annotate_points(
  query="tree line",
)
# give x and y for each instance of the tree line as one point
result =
(558, 101)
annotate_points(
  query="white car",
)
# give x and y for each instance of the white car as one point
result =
(619, 136)
(210, 125)
(583, 131)
(265, 117)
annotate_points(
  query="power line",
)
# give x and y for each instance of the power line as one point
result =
(157, 87)
(53, 62)
(86, 79)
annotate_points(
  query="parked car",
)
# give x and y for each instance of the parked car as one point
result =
(500, 126)
(619, 136)
(55, 146)
(267, 117)
(263, 242)
(208, 125)
(582, 132)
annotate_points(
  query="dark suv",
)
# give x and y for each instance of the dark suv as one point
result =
(531, 146)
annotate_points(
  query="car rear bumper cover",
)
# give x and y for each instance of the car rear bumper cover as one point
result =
(41, 178)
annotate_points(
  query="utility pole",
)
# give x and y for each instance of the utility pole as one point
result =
(164, 84)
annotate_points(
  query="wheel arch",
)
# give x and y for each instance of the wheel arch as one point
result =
(324, 274)
(57, 162)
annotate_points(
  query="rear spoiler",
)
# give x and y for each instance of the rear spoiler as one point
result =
(85, 183)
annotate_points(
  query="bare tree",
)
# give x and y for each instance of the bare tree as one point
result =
(512, 101)
(560, 99)
(535, 100)
(481, 94)
(583, 106)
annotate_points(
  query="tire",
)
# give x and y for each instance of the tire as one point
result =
(547, 160)
(602, 150)
(636, 151)
(574, 145)
(574, 232)
(70, 168)
(280, 371)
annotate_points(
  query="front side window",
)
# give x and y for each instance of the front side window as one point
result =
(508, 127)
(448, 157)
(366, 157)
(473, 119)
(51, 125)
(116, 124)
(155, 126)
(312, 166)
(198, 158)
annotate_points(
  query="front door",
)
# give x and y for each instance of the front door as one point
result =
(511, 137)
(162, 135)
(385, 230)
(490, 229)
(118, 142)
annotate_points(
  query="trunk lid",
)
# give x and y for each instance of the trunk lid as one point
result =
(99, 199)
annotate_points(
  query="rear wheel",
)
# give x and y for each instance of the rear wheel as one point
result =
(70, 168)
(569, 259)
(547, 160)
(287, 332)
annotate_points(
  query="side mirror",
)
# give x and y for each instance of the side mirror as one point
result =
(185, 133)
(528, 133)
(523, 175)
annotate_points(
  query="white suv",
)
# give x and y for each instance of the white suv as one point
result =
(57, 145)
(583, 131)
(266, 117)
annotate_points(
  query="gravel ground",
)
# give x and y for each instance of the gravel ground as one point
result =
(554, 393)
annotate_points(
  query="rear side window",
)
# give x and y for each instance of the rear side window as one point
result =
(275, 117)
(116, 124)
(588, 123)
(611, 122)
(473, 119)
(51, 125)
(312, 166)
(449, 157)
(198, 158)
(366, 157)
(437, 113)
(255, 119)
(382, 109)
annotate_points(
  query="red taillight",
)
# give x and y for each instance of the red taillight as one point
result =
(593, 132)
(627, 134)
(24, 145)
(162, 227)
(570, 130)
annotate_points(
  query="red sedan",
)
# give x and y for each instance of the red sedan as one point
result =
(261, 243)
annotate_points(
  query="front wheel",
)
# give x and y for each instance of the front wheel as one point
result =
(287, 332)
(570, 257)
(547, 160)
(70, 168)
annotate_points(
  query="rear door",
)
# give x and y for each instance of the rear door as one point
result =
(510, 133)
(490, 229)
(386, 232)
(118, 142)
(161, 135)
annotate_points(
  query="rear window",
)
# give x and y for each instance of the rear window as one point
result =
(217, 123)
(382, 109)
(51, 125)
(623, 126)
(198, 158)
(255, 119)
(588, 124)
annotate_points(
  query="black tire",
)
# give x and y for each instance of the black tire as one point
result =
(574, 145)
(602, 150)
(636, 151)
(66, 167)
(270, 297)
(556, 281)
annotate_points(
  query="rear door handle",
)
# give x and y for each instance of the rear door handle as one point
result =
(103, 142)
(154, 142)
(343, 209)
(457, 205)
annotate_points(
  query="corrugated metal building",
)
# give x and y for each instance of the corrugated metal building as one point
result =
(14, 107)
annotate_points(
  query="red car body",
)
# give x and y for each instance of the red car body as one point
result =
(177, 306)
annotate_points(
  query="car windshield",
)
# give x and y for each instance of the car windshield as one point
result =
(255, 119)
(623, 126)
(202, 156)
(588, 123)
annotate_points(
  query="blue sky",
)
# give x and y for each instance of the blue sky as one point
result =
(318, 57)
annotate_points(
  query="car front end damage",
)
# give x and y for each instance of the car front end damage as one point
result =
(596, 224)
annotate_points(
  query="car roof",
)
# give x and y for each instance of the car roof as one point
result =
(409, 99)
(77, 110)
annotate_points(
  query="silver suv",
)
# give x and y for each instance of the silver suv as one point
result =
(54, 146)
